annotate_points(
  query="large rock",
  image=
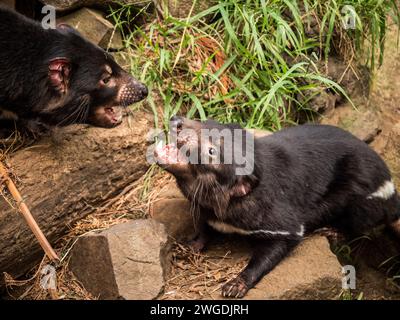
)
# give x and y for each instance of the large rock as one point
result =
(127, 261)
(63, 5)
(364, 123)
(91, 24)
(173, 211)
(311, 271)
(181, 8)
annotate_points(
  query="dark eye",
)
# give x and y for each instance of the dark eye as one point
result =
(212, 151)
(106, 79)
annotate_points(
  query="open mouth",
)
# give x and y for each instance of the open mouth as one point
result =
(107, 117)
(169, 154)
(113, 114)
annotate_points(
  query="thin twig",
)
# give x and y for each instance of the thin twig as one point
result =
(23, 208)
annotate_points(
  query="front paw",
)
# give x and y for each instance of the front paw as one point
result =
(196, 245)
(33, 128)
(236, 288)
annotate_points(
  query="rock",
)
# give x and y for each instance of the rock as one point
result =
(181, 8)
(173, 211)
(127, 261)
(258, 133)
(64, 5)
(311, 271)
(365, 124)
(123, 59)
(319, 99)
(355, 80)
(91, 24)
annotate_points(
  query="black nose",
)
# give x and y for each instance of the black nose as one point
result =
(143, 90)
(176, 122)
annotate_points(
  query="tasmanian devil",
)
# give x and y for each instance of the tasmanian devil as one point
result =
(56, 77)
(277, 189)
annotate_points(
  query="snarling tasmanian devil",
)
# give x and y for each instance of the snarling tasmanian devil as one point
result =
(57, 78)
(277, 189)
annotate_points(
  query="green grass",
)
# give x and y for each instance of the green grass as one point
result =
(392, 268)
(349, 295)
(345, 251)
(253, 61)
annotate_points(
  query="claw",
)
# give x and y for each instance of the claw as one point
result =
(235, 288)
(229, 290)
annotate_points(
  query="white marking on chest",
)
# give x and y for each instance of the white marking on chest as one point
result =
(385, 191)
(228, 228)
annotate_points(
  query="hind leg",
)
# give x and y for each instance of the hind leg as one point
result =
(392, 208)
(198, 242)
(200, 239)
(395, 226)
(364, 214)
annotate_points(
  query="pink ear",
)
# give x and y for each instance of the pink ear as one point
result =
(243, 186)
(59, 72)
(64, 27)
(240, 189)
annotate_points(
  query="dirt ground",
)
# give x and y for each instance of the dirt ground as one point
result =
(199, 276)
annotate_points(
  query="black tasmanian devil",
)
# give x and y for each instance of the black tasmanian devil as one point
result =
(277, 189)
(56, 77)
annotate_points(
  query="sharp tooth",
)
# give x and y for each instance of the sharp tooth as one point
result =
(159, 144)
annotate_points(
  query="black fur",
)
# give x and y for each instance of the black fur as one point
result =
(313, 176)
(58, 78)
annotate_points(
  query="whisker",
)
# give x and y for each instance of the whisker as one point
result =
(82, 109)
(64, 120)
(194, 206)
